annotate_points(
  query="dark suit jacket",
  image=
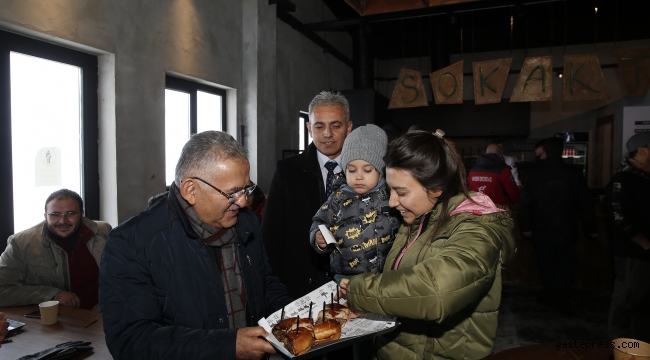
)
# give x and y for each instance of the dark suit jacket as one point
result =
(297, 192)
(554, 195)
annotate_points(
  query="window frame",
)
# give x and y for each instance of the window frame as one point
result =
(89, 112)
(191, 87)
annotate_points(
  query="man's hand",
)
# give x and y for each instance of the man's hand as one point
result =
(528, 234)
(250, 345)
(320, 240)
(4, 325)
(67, 299)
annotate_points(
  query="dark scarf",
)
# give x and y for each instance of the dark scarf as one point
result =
(223, 248)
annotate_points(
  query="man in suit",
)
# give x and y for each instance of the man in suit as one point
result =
(300, 185)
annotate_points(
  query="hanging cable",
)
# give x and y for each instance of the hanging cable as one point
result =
(402, 42)
(420, 45)
(430, 46)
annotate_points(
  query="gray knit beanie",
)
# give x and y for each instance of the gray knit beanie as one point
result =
(365, 143)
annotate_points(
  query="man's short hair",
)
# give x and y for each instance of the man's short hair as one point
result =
(493, 149)
(65, 193)
(540, 143)
(203, 150)
(330, 98)
(496, 141)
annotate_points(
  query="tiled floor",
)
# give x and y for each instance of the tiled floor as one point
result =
(523, 321)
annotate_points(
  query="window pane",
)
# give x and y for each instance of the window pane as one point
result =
(177, 129)
(208, 111)
(46, 133)
(301, 133)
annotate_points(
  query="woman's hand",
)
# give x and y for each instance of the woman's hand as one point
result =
(343, 287)
(343, 290)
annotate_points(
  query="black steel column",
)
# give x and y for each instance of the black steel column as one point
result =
(364, 65)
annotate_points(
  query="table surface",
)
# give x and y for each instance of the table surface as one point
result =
(550, 351)
(73, 325)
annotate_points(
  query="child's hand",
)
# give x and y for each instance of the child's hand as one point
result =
(320, 240)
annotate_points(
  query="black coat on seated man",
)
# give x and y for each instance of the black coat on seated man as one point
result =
(162, 293)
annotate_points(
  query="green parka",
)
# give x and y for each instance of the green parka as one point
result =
(447, 289)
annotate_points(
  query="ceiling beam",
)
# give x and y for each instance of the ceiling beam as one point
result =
(452, 7)
(311, 35)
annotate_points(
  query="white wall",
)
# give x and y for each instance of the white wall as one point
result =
(270, 71)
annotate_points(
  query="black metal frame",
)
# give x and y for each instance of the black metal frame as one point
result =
(90, 164)
(191, 87)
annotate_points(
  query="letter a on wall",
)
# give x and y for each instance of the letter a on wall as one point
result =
(490, 80)
(535, 81)
(635, 66)
(409, 91)
(447, 84)
(583, 78)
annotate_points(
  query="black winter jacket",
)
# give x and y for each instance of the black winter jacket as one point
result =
(363, 227)
(161, 291)
(628, 206)
(554, 194)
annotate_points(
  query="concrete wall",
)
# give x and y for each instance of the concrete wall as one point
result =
(138, 42)
(303, 70)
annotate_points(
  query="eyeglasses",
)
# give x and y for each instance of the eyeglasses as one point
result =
(68, 214)
(247, 191)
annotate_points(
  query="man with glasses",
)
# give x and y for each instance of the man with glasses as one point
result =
(58, 259)
(188, 278)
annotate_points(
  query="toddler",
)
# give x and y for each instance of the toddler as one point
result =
(357, 213)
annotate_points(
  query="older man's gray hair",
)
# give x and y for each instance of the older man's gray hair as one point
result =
(330, 98)
(203, 151)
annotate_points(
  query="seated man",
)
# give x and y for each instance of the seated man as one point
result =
(38, 264)
(493, 177)
(188, 278)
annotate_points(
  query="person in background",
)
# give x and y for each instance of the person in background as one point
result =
(628, 206)
(256, 202)
(300, 185)
(539, 150)
(493, 177)
(188, 278)
(509, 160)
(553, 196)
(442, 278)
(57, 259)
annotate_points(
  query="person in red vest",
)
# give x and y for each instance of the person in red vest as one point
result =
(57, 259)
(493, 177)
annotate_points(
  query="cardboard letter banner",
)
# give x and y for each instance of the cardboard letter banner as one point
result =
(490, 80)
(535, 81)
(447, 84)
(409, 91)
(583, 78)
(635, 66)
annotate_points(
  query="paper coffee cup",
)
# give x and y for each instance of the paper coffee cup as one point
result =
(49, 312)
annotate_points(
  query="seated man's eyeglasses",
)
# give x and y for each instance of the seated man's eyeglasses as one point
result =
(67, 214)
(247, 191)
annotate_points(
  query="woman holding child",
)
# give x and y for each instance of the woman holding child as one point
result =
(442, 277)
